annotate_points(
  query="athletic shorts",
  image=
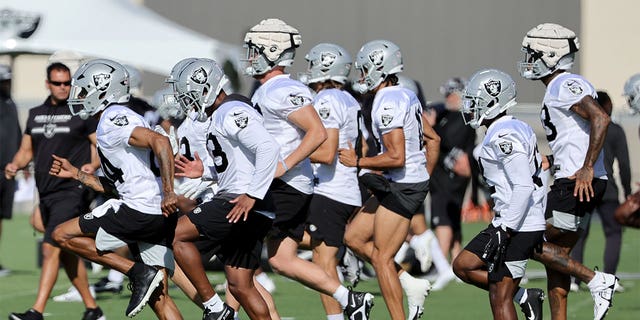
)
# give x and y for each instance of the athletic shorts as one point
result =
(520, 249)
(148, 236)
(59, 207)
(236, 244)
(291, 208)
(401, 198)
(446, 209)
(7, 191)
(560, 198)
(328, 219)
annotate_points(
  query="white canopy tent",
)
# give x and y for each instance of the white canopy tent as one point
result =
(115, 29)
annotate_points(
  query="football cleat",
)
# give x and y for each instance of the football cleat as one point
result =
(532, 306)
(359, 305)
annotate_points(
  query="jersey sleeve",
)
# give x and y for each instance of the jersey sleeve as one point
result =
(119, 125)
(390, 114)
(291, 98)
(569, 91)
(329, 114)
(236, 120)
(506, 144)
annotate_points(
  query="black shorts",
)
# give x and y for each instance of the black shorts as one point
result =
(132, 226)
(327, 220)
(446, 209)
(401, 198)
(236, 244)
(59, 207)
(520, 249)
(7, 191)
(560, 198)
(291, 207)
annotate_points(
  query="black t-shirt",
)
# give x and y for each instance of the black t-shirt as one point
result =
(454, 134)
(9, 131)
(54, 130)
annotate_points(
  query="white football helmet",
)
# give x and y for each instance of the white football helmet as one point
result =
(97, 84)
(489, 93)
(270, 43)
(375, 61)
(327, 61)
(197, 85)
(164, 100)
(547, 48)
(632, 92)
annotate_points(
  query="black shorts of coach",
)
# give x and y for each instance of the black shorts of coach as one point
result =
(520, 248)
(235, 244)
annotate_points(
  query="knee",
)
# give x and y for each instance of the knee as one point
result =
(60, 236)
(278, 264)
(460, 270)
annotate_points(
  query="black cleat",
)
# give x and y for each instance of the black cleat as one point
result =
(227, 313)
(359, 305)
(104, 285)
(93, 314)
(28, 315)
(532, 307)
(142, 286)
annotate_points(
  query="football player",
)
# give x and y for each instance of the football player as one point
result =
(137, 164)
(289, 115)
(575, 125)
(397, 127)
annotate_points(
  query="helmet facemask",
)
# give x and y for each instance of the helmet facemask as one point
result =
(375, 61)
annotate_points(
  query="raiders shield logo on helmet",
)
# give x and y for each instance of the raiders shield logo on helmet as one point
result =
(493, 87)
(386, 119)
(324, 112)
(199, 76)
(328, 58)
(102, 81)
(574, 87)
(376, 57)
(241, 119)
(120, 120)
(506, 147)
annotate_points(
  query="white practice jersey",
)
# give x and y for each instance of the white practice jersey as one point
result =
(338, 110)
(506, 138)
(276, 99)
(245, 155)
(131, 169)
(192, 138)
(567, 132)
(397, 107)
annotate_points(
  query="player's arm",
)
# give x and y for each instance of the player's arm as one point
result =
(432, 144)
(522, 188)
(589, 109)
(21, 159)
(92, 166)
(307, 119)
(393, 157)
(145, 138)
(326, 152)
(62, 168)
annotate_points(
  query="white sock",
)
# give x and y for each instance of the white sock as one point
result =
(236, 316)
(338, 316)
(115, 276)
(402, 253)
(214, 304)
(596, 281)
(416, 240)
(262, 277)
(441, 263)
(342, 295)
(521, 295)
(405, 279)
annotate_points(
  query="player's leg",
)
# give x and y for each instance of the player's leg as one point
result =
(241, 285)
(500, 295)
(163, 306)
(325, 257)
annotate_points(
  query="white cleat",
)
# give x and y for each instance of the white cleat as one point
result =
(72, 295)
(417, 291)
(603, 294)
(423, 251)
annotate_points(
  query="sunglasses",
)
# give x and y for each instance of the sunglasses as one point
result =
(59, 83)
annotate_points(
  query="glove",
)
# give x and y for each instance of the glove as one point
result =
(173, 138)
(193, 188)
(496, 247)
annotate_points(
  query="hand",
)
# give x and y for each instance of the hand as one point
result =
(10, 170)
(187, 168)
(348, 156)
(461, 165)
(173, 138)
(193, 188)
(244, 204)
(583, 188)
(62, 168)
(87, 168)
(496, 246)
(169, 203)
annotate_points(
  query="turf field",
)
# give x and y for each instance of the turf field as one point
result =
(457, 301)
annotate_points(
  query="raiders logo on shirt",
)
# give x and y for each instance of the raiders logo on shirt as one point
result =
(574, 87)
(241, 119)
(120, 120)
(506, 147)
(324, 112)
(386, 119)
(296, 100)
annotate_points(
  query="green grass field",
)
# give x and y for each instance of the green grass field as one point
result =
(457, 301)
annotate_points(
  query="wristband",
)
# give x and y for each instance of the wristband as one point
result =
(358, 163)
(284, 165)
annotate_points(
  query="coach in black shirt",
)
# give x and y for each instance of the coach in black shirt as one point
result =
(51, 129)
